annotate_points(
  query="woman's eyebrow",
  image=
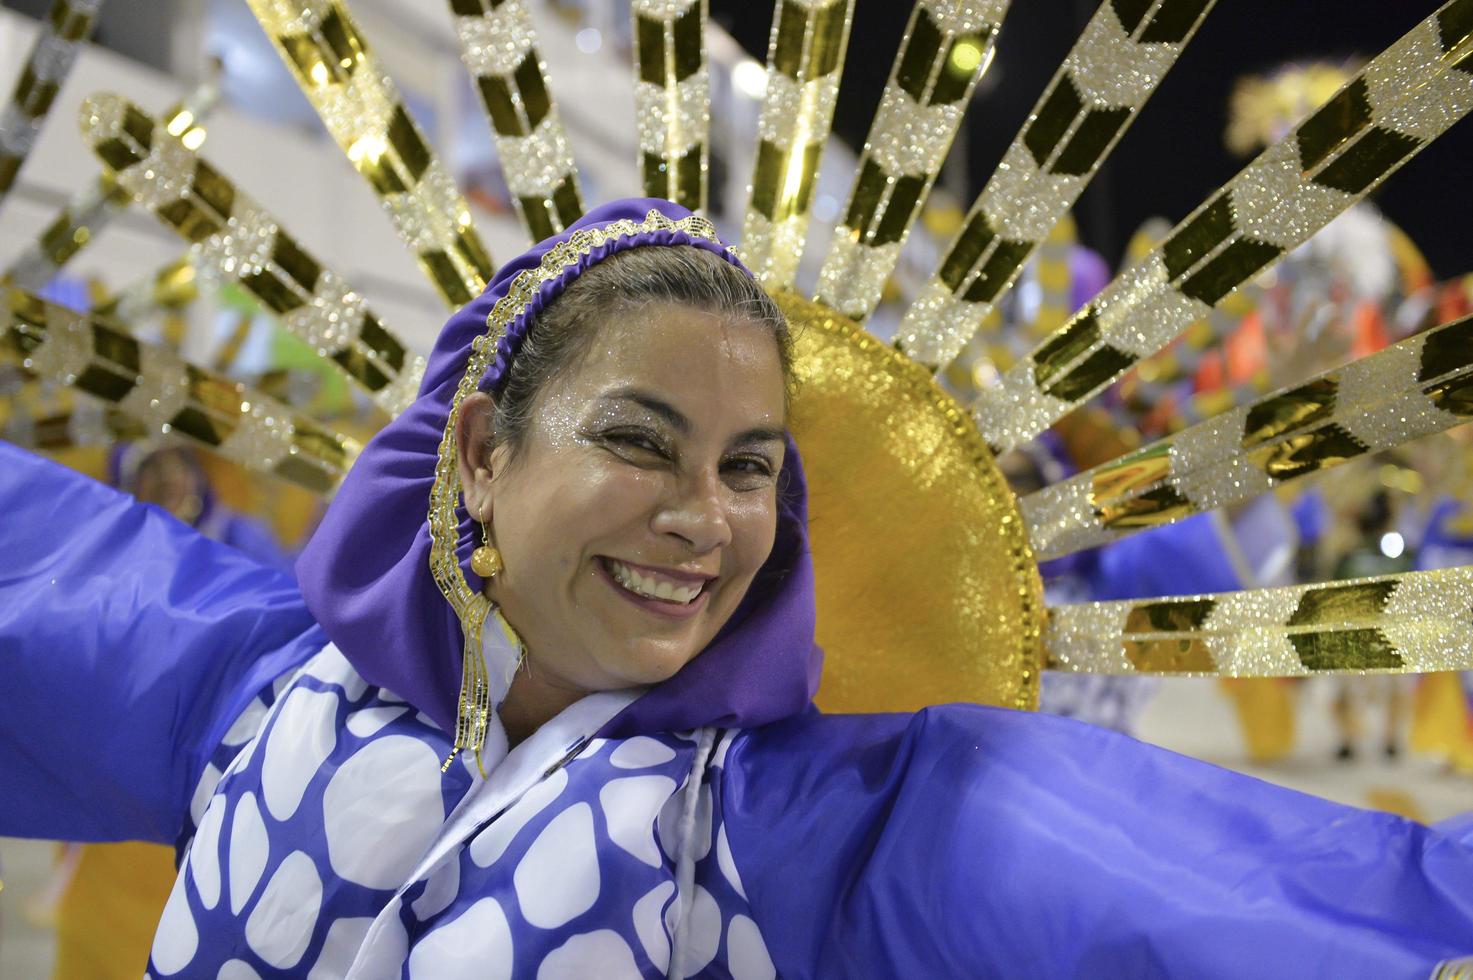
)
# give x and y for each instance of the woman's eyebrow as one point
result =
(759, 434)
(677, 420)
(644, 399)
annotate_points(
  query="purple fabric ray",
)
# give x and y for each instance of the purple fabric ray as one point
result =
(366, 578)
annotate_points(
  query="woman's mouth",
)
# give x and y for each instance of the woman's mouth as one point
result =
(648, 588)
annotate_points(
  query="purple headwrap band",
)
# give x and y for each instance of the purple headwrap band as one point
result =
(366, 574)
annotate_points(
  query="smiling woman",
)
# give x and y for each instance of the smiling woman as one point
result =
(642, 786)
(626, 470)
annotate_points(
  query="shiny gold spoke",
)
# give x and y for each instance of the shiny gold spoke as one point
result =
(1401, 101)
(62, 34)
(362, 109)
(1407, 391)
(235, 239)
(498, 46)
(1400, 624)
(943, 54)
(1113, 69)
(163, 394)
(672, 93)
(805, 57)
(90, 210)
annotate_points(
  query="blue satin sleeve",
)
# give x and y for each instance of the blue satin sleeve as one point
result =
(128, 644)
(977, 842)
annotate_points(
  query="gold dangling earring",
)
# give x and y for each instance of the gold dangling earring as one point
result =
(486, 560)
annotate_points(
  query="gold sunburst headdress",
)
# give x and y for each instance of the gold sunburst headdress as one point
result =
(960, 605)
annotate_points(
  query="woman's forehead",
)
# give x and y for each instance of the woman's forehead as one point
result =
(703, 361)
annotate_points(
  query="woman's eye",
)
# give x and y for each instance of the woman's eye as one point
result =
(637, 441)
(750, 466)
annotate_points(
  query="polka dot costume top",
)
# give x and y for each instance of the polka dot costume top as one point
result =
(324, 841)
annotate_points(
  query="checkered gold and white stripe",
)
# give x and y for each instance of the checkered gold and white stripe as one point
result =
(43, 416)
(805, 57)
(672, 99)
(235, 239)
(1401, 101)
(1122, 55)
(947, 46)
(166, 395)
(89, 211)
(1412, 389)
(362, 109)
(65, 29)
(1157, 378)
(498, 46)
(172, 287)
(1417, 622)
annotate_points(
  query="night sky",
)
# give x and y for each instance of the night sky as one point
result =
(1173, 156)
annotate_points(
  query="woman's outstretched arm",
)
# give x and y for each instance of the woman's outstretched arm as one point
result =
(977, 842)
(128, 644)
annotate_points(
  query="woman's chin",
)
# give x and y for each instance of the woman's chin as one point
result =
(644, 664)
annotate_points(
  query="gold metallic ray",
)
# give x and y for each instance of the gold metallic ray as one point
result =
(166, 395)
(498, 46)
(1409, 390)
(1155, 378)
(946, 48)
(89, 212)
(234, 238)
(1401, 101)
(44, 417)
(1124, 52)
(172, 287)
(64, 31)
(1417, 622)
(361, 108)
(672, 97)
(805, 57)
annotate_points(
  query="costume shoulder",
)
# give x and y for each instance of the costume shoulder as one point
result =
(972, 841)
(128, 644)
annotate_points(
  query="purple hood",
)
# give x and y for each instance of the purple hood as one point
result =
(366, 575)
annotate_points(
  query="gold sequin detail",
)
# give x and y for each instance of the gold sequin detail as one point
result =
(902, 488)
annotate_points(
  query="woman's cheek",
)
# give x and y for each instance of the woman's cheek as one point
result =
(753, 520)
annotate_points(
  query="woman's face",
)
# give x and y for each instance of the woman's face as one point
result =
(644, 499)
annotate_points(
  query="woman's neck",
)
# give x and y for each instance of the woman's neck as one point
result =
(534, 698)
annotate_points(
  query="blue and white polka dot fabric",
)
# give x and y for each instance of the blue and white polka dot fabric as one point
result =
(303, 856)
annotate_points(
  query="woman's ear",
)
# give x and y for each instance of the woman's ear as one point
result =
(473, 432)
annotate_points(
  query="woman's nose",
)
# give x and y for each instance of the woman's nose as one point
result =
(696, 513)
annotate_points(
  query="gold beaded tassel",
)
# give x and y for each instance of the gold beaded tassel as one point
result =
(167, 395)
(90, 210)
(672, 95)
(235, 239)
(1398, 104)
(1415, 388)
(1121, 56)
(361, 108)
(498, 46)
(50, 61)
(1398, 624)
(946, 48)
(805, 57)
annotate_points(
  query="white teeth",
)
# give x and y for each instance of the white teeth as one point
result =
(646, 585)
